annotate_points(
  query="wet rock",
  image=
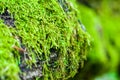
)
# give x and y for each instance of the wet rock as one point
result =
(31, 73)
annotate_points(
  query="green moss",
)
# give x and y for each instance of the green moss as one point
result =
(8, 66)
(42, 25)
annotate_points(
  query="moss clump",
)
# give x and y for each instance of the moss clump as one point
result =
(50, 37)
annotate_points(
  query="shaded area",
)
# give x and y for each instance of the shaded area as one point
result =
(7, 18)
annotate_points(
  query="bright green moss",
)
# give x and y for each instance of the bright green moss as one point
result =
(42, 25)
(8, 66)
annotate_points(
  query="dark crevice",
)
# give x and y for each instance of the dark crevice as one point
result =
(53, 57)
(7, 18)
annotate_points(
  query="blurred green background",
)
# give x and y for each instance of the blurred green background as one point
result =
(102, 20)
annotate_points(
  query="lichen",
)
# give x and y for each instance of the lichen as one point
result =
(52, 38)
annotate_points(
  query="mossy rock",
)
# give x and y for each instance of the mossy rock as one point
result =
(40, 39)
